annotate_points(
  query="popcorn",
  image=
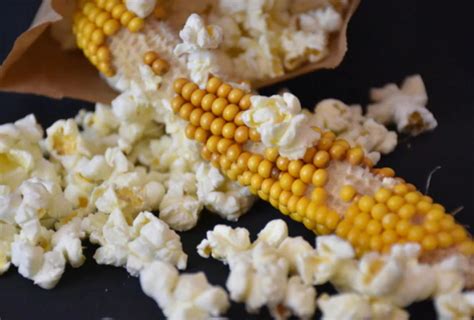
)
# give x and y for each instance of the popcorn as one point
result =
(455, 306)
(221, 195)
(223, 242)
(153, 240)
(349, 123)
(64, 140)
(147, 240)
(300, 298)
(258, 277)
(180, 208)
(182, 296)
(404, 106)
(44, 259)
(273, 233)
(260, 272)
(280, 124)
(142, 8)
(354, 306)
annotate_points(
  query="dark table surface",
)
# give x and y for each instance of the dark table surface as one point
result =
(388, 40)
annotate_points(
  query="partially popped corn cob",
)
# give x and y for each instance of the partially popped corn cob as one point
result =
(333, 188)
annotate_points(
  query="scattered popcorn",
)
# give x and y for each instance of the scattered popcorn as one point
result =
(354, 306)
(223, 242)
(349, 123)
(186, 296)
(142, 8)
(281, 124)
(300, 298)
(274, 233)
(220, 195)
(44, 259)
(459, 306)
(135, 246)
(64, 140)
(404, 106)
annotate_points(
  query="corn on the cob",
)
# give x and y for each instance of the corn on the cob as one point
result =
(332, 189)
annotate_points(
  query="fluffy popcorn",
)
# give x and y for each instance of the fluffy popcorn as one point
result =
(300, 298)
(183, 296)
(142, 8)
(349, 123)
(326, 19)
(455, 306)
(180, 207)
(280, 123)
(258, 277)
(223, 242)
(153, 240)
(404, 106)
(221, 195)
(301, 46)
(354, 306)
(273, 233)
(64, 140)
(260, 271)
(135, 246)
(43, 260)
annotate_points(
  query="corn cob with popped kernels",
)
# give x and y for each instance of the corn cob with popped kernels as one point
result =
(332, 189)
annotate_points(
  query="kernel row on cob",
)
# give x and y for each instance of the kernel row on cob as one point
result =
(94, 21)
(371, 221)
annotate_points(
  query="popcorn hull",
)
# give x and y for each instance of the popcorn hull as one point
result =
(66, 73)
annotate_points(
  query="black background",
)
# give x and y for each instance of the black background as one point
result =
(388, 40)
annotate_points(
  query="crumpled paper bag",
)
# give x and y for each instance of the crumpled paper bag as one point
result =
(38, 63)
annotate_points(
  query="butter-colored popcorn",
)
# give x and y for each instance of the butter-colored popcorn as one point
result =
(281, 124)
(93, 225)
(404, 106)
(142, 8)
(221, 195)
(349, 123)
(354, 306)
(223, 241)
(186, 296)
(451, 306)
(64, 140)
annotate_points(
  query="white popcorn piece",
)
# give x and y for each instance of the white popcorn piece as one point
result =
(273, 233)
(223, 242)
(348, 123)
(300, 298)
(142, 8)
(221, 195)
(280, 123)
(258, 277)
(459, 306)
(186, 296)
(147, 240)
(354, 306)
(404, 106)
(153, 240)
(44, 259)
(180, 207)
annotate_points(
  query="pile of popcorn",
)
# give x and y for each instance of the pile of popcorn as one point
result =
(280, 272)
(101, 175)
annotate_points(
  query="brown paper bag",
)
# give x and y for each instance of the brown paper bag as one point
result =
(38, 64)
